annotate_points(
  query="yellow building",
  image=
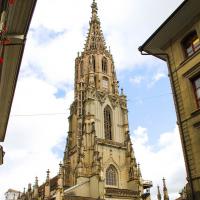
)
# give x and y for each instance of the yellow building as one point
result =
(177, 41)
(15, 18)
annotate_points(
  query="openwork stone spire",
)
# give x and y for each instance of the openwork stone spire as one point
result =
(95, 39)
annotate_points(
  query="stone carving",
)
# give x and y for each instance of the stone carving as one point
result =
(120, 192)
(110, 142)
(123, 103)
(101, 96)
(114, 100)
(131, 173)
(90, 93)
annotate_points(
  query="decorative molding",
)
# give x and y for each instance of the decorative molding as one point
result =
(72, 150)
(193, 71)
(197, 125)
(114, 100)
(110, 143)
(115, 192)
(101, 96)
(90, 93)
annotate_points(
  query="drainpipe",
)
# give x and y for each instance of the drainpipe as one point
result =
(178, 115)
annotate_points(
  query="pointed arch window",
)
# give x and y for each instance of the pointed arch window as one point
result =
(111, 176)
(107, 123)
(104, 65)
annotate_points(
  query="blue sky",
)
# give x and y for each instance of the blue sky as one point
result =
(45, 85)
(149, 105)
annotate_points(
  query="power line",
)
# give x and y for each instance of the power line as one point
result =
(54, 114)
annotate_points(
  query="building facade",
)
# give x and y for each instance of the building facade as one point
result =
(177, 41)
(15, 18)
(99, 161)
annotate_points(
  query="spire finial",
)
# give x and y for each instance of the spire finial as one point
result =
(60, 168)
(94, 7)
(159, 194)
(166, 196)
(164, 184)
(48, 172)
(95, 39)
(36, 181)
(122, 91)
(94, 11)
(29, 187)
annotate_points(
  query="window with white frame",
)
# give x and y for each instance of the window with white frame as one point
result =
(196, 86)
(191, 43)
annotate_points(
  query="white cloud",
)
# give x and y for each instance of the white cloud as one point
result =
(136, 80)
(163, 159)
(141, 135)
(34, 143)
(157, 77)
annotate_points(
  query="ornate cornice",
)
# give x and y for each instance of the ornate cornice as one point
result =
(115, 192)
(110, 143)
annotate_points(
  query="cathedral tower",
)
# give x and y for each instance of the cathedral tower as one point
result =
(99, 160)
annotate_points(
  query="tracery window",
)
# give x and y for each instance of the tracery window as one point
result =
(111, 176)
(104, 65)
(107, 123)
(191, 43)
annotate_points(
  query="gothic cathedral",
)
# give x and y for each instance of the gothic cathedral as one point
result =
(99, 161)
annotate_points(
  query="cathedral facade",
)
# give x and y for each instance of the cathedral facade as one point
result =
(99, 161)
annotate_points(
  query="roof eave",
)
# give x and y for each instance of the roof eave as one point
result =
(143, 47)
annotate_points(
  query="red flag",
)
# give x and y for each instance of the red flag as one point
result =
(11, 2)
(1, 60)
